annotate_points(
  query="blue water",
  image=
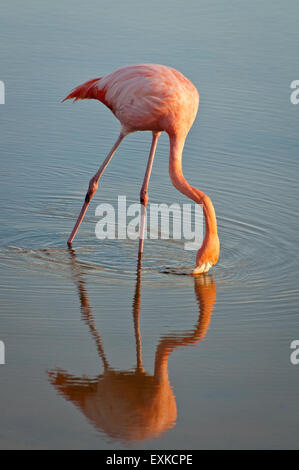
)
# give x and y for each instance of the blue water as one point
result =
(64, 315)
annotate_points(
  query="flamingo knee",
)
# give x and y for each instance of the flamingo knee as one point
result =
(92, 188)
(143, 197)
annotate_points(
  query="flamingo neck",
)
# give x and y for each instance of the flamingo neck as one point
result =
(176, 174)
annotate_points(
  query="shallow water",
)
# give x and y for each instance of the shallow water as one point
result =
(98, 356)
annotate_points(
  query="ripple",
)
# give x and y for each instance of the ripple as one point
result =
(252, 252)
(249, 253)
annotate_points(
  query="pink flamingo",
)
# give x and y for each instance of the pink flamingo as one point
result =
(157, 98)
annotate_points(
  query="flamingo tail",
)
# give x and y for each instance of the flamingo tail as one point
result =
(88, 90)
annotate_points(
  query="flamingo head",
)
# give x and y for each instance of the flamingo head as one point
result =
(207, 255)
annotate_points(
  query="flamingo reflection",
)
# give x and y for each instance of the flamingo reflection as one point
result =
(132, 405)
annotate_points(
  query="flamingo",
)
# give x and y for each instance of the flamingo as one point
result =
(156, 98)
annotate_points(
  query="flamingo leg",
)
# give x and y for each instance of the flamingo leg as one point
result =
(143, 192)
(93, 186)
(136, 318)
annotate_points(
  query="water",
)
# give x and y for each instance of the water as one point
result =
(96, 355)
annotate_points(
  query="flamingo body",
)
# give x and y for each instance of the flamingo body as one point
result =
(157, 98)
(146, 97)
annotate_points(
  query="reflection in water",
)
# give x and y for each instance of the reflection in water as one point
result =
(132, 405)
